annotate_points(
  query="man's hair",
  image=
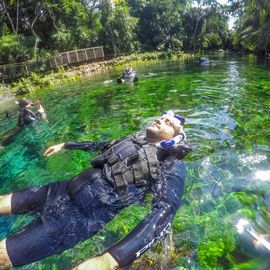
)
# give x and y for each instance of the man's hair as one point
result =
(24, 102)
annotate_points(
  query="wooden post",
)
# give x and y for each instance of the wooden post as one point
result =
(86, 58)
(77, 56)
(26, 69)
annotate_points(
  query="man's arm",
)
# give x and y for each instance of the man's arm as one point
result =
(86, 146)
(156, 224)
(41, 113)
(168, 191)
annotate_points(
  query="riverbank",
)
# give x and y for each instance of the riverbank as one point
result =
(36, 81)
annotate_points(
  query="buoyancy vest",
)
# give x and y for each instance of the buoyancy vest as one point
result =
(128, 161)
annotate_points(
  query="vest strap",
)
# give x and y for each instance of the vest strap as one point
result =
(151, 154)
(139, 178)
(118, 177)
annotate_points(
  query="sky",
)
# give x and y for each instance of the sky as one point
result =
(222, 1)
(231, 19)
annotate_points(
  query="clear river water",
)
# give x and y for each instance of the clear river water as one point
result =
(224, 220)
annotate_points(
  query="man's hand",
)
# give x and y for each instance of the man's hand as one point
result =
(54, 149)
(104, 262)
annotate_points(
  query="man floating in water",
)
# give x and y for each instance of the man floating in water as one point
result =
(72, 211)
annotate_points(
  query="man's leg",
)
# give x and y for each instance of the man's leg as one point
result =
(5, 204)
(5, 262)
(48, 236)
(24, 201)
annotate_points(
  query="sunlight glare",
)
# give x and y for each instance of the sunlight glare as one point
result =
(262, 175)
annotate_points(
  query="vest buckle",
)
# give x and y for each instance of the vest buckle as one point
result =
(112, 159)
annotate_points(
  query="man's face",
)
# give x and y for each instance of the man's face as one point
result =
(29, 106)
(162, 129)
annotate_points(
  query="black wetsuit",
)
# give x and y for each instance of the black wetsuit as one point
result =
(129, 77)
(26, 117)
(65, 219)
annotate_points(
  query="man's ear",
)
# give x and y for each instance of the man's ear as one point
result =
(178, 130)
(181, 129)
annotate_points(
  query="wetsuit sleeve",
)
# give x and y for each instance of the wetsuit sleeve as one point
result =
(26, 117)
(158, 223)
(20, 122)
(181, 149)
(86, 146)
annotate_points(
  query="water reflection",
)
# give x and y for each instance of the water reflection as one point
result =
(263, 175)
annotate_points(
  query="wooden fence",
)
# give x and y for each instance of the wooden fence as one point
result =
(14, 71)
(76, 56)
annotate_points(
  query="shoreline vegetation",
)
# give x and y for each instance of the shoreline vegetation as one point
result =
(35, 81)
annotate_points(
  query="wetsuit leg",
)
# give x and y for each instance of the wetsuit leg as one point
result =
(50, 235)
(32, 199)
(63, 222)
(28, 200)
(42, 238)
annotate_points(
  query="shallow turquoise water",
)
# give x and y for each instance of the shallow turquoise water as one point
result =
(226, 105)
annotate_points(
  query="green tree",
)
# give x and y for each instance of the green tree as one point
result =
(253, 25)
(11, 48)
(117, 35)
(205, 26)
(72, 25)
(22, 18)
(160, 23)
(52, 25)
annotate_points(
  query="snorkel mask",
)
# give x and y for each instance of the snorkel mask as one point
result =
(178, 121)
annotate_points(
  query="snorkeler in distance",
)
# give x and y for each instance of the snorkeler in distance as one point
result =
(204, 60)
(26, 117)
(121, 175)
(129, 75)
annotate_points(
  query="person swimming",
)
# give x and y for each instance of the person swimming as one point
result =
(129, 75)
(26, 117)
(126, 169)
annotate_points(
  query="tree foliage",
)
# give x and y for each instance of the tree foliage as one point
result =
(253, 25)
(118, 26)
